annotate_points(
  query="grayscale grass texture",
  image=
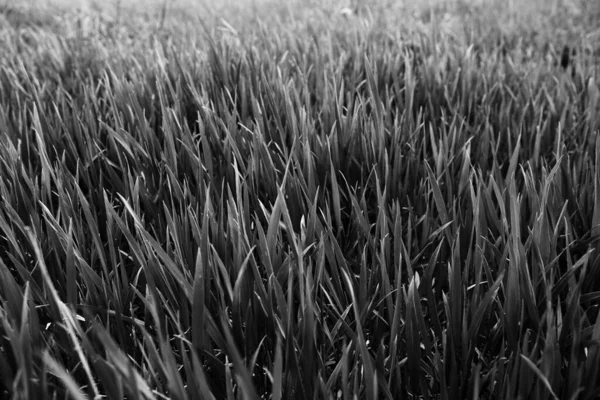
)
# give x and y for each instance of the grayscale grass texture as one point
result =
(300, 203)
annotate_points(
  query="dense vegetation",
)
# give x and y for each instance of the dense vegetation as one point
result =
(325, 207)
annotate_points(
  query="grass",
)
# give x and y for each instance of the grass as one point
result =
(314, 207)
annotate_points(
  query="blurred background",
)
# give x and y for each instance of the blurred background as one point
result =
(538, 29)
(557, 18)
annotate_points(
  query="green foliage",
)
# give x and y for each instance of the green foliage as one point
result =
(296, 211)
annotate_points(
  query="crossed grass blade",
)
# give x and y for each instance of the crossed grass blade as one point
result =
(370, 377)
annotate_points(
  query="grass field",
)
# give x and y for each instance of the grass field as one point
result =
(279, 201)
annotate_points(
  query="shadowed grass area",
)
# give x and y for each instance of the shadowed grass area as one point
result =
(326, 206)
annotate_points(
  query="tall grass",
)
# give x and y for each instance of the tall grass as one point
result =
(297, 211)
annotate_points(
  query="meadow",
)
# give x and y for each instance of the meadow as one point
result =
(289, 202)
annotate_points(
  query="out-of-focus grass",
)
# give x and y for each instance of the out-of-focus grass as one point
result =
(299, 204)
